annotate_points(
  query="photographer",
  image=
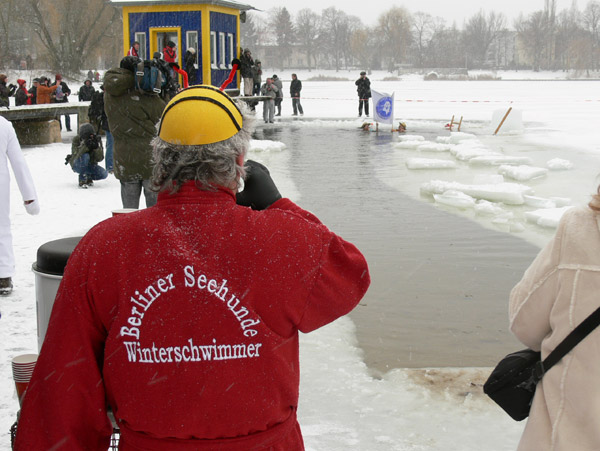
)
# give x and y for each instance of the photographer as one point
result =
(86, 153)
(270, 90)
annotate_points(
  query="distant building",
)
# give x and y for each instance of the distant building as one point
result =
(211, 27)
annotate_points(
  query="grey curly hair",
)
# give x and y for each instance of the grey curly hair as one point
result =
(209, 165)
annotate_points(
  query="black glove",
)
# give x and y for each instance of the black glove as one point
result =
(67, 159)
(259, 189)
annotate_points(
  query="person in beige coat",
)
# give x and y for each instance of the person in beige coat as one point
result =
(558, 291)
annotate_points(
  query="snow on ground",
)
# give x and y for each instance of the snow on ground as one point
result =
(342, 405)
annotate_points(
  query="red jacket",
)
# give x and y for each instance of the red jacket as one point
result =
(184, 318)
(169, 55)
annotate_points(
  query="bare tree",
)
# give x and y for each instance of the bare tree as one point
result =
(423, 29)
(334, 30)
(70, 30)
(307, 34)
(591, 21)
(445, 47)
(394, 33)
(532, 36)
(479, 34)
(550, 27)
(8, 26)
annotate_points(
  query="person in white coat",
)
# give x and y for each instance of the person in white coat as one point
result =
(559, 290)
(10, 150)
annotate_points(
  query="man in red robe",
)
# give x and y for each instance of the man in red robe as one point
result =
(183, 318)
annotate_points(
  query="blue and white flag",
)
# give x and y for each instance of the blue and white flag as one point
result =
(383, 107)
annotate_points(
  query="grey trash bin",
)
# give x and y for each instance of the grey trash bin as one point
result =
(49, 268)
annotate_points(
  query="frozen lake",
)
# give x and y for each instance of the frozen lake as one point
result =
(440, 282)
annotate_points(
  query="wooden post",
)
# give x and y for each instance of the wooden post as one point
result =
(503, 119)
(460, 123)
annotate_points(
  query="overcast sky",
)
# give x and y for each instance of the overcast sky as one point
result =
(451, 10)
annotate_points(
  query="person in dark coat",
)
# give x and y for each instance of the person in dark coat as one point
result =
(33, 90)
(5, 91)
(131, 118)
(295, 88)
(279, 98)
(61, 95)
(190, 60)
(22, 97)
(98, 118)
(257, 77)
(86, 92)
(363, 88)
(246, 64)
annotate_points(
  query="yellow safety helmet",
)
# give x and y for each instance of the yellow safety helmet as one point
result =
(198, 115)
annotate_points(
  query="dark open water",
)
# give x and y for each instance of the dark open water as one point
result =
(440, 283)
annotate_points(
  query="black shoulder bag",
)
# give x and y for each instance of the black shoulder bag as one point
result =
(512, 383)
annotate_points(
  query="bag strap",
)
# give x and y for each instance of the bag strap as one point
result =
(576, 335)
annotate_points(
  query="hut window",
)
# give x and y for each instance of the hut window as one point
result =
(191, 38)
(141, 38)
(222, 56)
(231, 49)
(213, 49)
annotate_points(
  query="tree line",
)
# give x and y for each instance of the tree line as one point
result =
(546, 39)
(71, 35)
(64, 35)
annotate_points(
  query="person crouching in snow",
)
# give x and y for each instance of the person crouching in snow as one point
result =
(193, 305)
(86, 153)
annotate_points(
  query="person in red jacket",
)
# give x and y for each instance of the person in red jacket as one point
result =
(170, 52)
(183, 318)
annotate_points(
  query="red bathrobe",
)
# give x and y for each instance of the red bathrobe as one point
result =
(184, 318)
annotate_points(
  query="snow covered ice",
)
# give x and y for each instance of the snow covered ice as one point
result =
(343, 405)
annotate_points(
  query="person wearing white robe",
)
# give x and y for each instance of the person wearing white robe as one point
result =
(10, 150)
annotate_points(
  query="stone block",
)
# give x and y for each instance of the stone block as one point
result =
(35, 132)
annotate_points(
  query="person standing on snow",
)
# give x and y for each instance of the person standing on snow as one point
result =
(43, 91)
(10, 150)
(132, 117)
(256, 78)
(193, 305)
(558, 291)
(98, 118)
(5, 91)
(279, 98)
(246, 65)
(22, 97)
(61, 95)
(269, 90)
(86, 92)
(363, 88)
(295, 88)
